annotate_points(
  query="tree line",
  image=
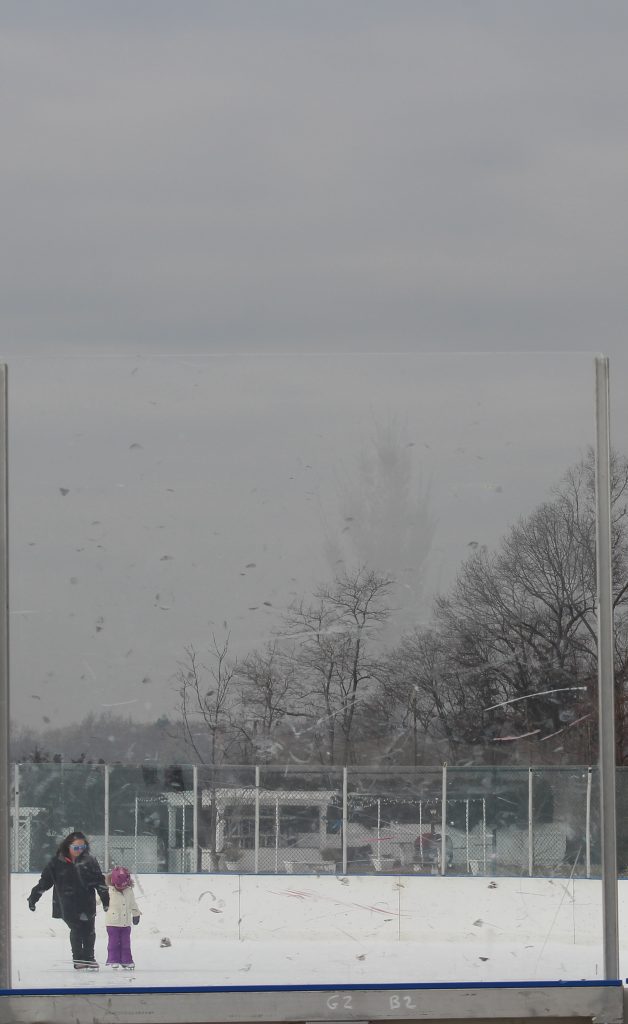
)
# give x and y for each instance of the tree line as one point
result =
(504, 672)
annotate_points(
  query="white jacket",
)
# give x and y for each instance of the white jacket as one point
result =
(122, 907)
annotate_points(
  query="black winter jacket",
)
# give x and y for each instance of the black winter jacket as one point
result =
(74, 887)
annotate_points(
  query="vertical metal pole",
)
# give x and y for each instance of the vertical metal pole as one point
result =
(587, 830)
(421, 831)
(16, 818)
(135, 830)
(344, 820)
(106, 828)
(466, 828)
(183, 858)
(195, 817)
(276, 834)
(484, 834)
(443, 822)
(5, 857)
(379, 835)
(530, 823)
(257, 819)
(606, 680)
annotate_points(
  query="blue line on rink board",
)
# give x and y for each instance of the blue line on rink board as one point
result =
(405, 986)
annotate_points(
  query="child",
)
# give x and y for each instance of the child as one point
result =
(122, 911)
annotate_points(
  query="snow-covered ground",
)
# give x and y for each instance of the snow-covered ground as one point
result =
(303, 929)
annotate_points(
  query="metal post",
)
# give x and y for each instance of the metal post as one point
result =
(587, 830)
(5, 856)
(443, 822)
(379, 835)
(195, 817)
(344, 820)
(484, 833)
(530, 823)
(606, 681)
(16, 818)
(421, 831)
(257, 819)
(106, 828)
(466, 828)
(276, 834)
(136, 824)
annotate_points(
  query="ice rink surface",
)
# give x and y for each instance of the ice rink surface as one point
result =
(214, 930)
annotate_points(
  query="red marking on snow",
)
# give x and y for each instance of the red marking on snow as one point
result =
(308, 895)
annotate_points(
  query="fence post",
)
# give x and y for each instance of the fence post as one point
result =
(276, 834)
(443, 822)
(106, 826)
(5, 848)
(484, 834)
(195, 817)
(605, 668)
(257, 819)
(16, 818)
(530, 825)
(344, 820)
(587, 831)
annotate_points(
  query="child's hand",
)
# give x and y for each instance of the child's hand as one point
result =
(136, 919)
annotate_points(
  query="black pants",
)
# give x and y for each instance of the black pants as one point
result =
(82, 938)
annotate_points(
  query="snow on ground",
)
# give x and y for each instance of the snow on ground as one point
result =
(304, 929)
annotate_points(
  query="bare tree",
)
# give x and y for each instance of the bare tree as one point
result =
(269, 696)
(207, 695)
(332, 641)
(519, 623)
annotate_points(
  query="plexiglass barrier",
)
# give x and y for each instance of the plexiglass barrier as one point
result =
(307, 645)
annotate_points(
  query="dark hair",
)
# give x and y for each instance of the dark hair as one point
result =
(64, 845)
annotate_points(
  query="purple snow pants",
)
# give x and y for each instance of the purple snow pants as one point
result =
(119, 946)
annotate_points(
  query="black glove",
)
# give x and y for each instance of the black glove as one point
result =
(31, 903)
(136, 919)
(105, 906)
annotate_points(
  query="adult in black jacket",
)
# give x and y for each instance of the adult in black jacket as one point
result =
(74, 877)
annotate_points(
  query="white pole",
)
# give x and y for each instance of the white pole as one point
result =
(379, 834)
(530, 825)
(195, 817)
(587, 831)
(421, 831)
(606, 680)
(182, 831)
(276, 834)
(443, 822)
(484, 833)
(344, 820)
(257, 773)
(136, 826)
(106, 828)
(16, 819)
(466, 823)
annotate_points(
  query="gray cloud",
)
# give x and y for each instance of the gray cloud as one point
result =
(290, 175)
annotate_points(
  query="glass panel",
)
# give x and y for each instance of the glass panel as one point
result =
(328, 617)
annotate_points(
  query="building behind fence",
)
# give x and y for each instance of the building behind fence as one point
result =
(285, 819)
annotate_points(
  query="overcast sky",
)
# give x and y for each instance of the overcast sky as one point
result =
(287, 177)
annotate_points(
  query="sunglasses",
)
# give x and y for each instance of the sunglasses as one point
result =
(78, 846)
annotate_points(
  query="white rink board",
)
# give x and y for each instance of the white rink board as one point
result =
(303, 929)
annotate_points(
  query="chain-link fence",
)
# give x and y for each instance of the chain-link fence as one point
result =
(296, 819)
